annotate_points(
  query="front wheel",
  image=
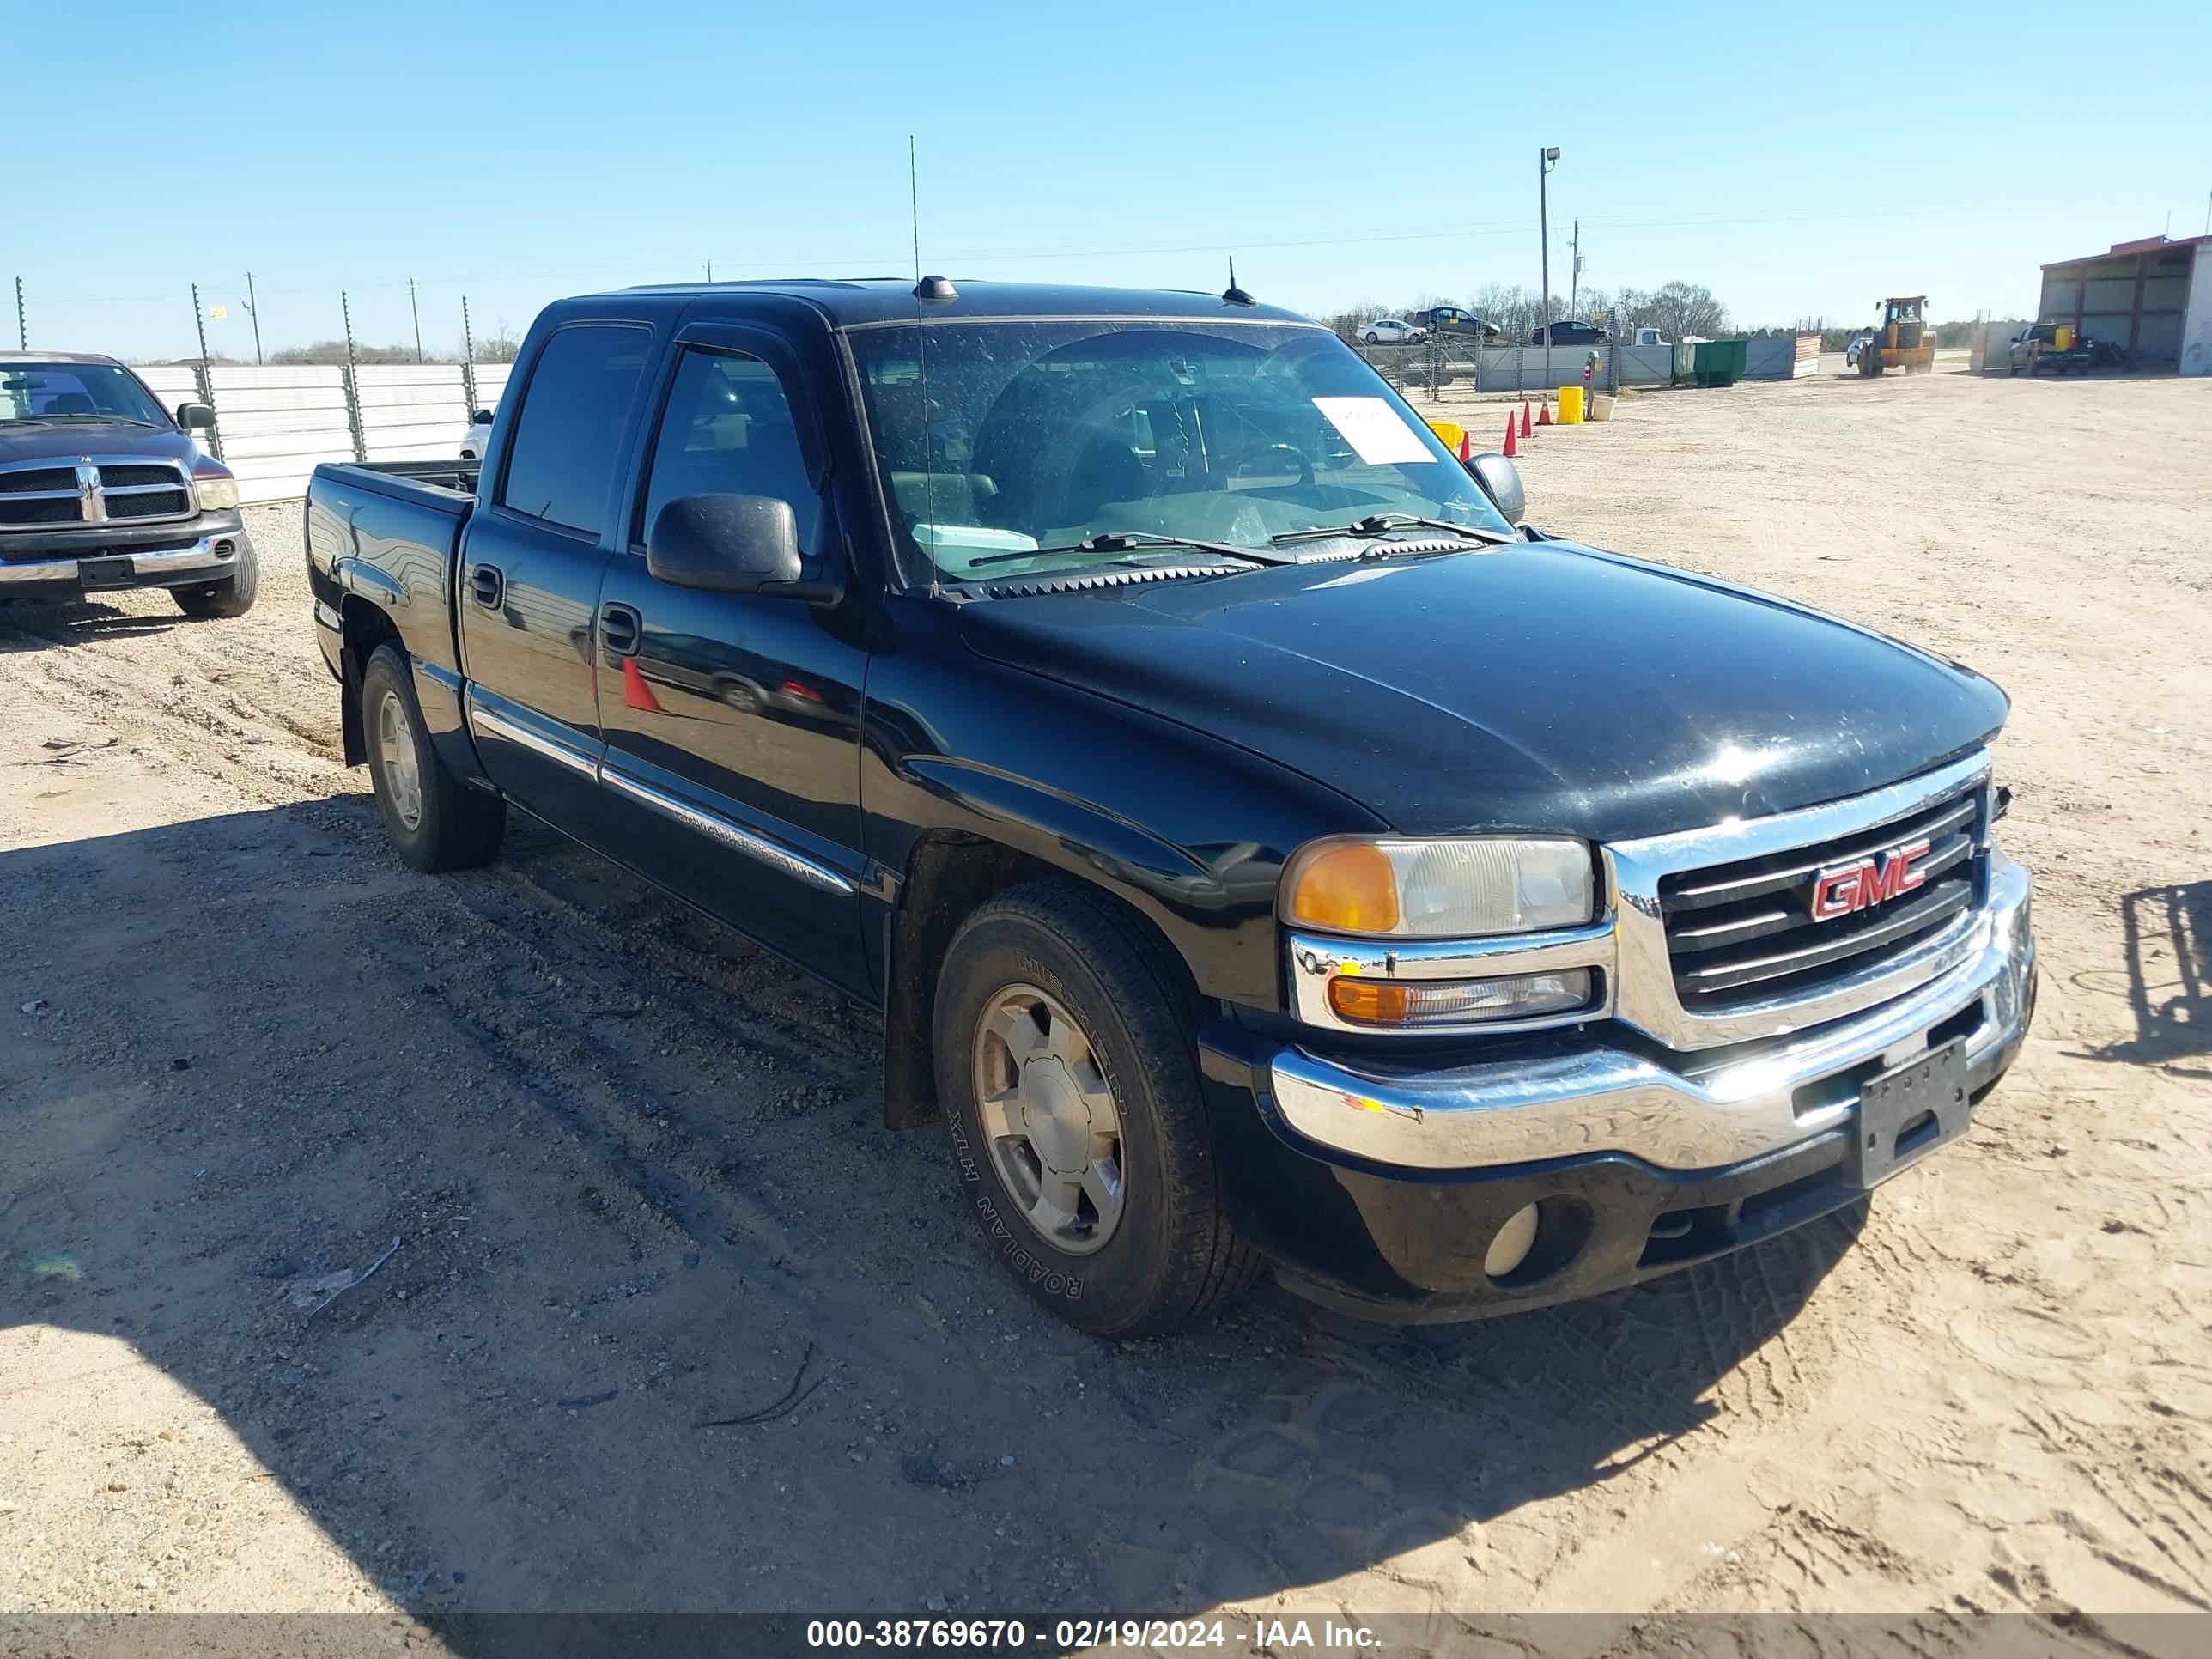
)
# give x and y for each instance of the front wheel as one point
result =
(233, 596)
(1066, 1065)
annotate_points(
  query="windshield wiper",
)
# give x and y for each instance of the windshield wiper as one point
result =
(1380, 524)
(1128, 541)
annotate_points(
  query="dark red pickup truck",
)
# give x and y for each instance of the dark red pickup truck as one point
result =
(101, 487)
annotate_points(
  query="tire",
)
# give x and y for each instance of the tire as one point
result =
(233, 596)
(1032, 957)
(437, 822)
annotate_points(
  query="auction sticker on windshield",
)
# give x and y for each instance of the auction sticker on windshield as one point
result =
(1377, 431)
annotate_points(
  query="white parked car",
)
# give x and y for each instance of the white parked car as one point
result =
(479, 436)
(1389, 331)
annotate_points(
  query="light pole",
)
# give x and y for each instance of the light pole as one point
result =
(1545, 160)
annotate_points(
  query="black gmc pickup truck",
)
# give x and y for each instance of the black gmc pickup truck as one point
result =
(1263, 849)
(101, 489)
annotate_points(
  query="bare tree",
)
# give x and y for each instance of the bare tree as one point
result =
(502, 345)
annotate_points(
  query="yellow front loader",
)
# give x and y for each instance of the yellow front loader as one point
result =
(1904, 340)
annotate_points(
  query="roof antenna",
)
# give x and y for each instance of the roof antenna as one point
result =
(1234, 296)
(936, 290)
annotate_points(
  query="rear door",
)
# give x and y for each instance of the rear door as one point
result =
(732, 721)
(531, 566)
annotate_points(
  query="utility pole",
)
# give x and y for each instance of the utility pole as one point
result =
(22, 331)
(710, 270)
(417, 312)
(1574, 276)
(1545, 160)
(253, 310)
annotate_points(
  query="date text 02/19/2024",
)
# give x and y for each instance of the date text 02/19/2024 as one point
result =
(1076, 1635)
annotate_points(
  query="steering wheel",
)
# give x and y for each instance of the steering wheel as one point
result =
(1247, 462)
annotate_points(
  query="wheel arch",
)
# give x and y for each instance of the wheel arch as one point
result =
(363, 626)
(950, 874)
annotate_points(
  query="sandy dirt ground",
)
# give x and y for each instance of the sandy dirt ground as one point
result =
(637, 1183)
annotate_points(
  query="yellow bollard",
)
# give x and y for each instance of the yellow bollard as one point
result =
(1571, 405)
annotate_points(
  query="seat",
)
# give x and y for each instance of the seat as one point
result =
(1108, 469)
(70, 403)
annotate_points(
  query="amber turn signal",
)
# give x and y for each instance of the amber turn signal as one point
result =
(1348, 889)
(1369, 1001)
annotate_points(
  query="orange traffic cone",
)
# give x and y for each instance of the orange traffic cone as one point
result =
(1512, 444)
(637, 694)
(1544, 414)
(1466, 448)
(1524, 417)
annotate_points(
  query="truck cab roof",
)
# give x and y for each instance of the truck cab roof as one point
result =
(855, 302)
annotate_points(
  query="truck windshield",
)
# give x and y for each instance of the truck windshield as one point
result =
(61, 391)
(999, 437)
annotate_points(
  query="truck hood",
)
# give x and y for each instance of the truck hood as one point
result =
(1541, 686)
(66, 440)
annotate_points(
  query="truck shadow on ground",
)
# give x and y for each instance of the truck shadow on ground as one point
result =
(672, 1323)
(2168, 936)
(33, 624)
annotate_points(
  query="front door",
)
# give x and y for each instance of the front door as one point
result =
(732, 721)
(531, 568)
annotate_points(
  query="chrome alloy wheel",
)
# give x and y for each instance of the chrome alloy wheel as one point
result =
(1044, 1107)
(395, 759)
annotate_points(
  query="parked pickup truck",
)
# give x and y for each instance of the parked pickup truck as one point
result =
(1263, 849)
(101, 489)
(2039, 347)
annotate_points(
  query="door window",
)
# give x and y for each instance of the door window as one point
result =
(567, 437)
(728, 431)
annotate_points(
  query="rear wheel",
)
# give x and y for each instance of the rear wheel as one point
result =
(233, 596)
(1067, 1066)
(435, 820)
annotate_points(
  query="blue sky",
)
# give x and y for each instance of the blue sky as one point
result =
(515, 154)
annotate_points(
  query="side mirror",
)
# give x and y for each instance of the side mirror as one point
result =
(482, 417)
(1501, 481)
(731, 544)
(196, 417)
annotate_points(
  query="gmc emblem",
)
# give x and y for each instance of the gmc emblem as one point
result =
(1844, 888)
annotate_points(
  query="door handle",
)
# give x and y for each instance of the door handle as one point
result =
(487, 585)
(622, 630)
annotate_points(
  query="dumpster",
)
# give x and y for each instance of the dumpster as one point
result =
(1721, 362)
(1685, 365)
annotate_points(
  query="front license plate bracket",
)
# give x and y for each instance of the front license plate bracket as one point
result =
(92, 574)
(1907, 1112)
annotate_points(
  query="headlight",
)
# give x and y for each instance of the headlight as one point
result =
(216, 493)
(1462, 889)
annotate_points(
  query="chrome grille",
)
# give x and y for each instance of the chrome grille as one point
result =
(1747, 930)
(93, 490)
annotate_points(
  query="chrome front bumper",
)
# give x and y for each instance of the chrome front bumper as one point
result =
(1691, 1112)
(206, 559)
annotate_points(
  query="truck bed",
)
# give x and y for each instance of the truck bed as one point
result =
(453, 478)
(388, 531)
